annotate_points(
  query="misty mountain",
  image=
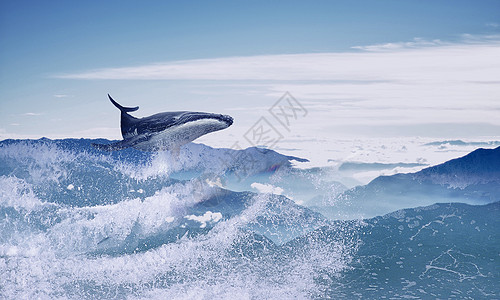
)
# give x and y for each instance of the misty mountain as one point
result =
(472, 179)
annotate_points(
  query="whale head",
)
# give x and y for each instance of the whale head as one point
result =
(213, 121)
(186, 127)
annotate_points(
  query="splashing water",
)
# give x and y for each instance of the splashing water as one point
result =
(76, 223)
(79, 223)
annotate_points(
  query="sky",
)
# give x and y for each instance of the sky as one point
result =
(357, 69)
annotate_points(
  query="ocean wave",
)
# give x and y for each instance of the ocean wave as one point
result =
(79, 223)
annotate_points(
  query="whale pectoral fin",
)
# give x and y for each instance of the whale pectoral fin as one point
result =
(112, 147)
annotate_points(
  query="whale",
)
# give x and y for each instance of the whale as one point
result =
(163, 131)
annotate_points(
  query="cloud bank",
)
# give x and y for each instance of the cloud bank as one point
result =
(416, 88)
(418, 60)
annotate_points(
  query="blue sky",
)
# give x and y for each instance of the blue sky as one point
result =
(410, 68)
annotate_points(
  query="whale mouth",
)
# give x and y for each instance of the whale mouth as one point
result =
(227, 119)
(195, 116)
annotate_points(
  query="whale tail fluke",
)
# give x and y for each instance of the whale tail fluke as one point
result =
(122, 108)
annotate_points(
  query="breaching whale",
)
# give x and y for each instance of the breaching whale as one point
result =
(164, 131)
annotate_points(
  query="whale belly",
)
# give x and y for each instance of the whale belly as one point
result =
(176, 136)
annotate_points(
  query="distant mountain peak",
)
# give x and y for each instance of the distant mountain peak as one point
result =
(479, 166)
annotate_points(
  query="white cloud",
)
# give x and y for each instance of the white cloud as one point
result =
(416, 43)
(217, 182)
(32, 114)
(406, 86)
(205, 218)
(465, 39)
(424, 61)
(267, 188)
(62, 96)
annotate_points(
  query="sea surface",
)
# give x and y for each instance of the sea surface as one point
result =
(78, 223)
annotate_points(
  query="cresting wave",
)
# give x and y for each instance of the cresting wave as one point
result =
(77, 223)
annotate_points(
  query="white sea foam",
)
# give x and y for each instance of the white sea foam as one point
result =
(77, 226)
